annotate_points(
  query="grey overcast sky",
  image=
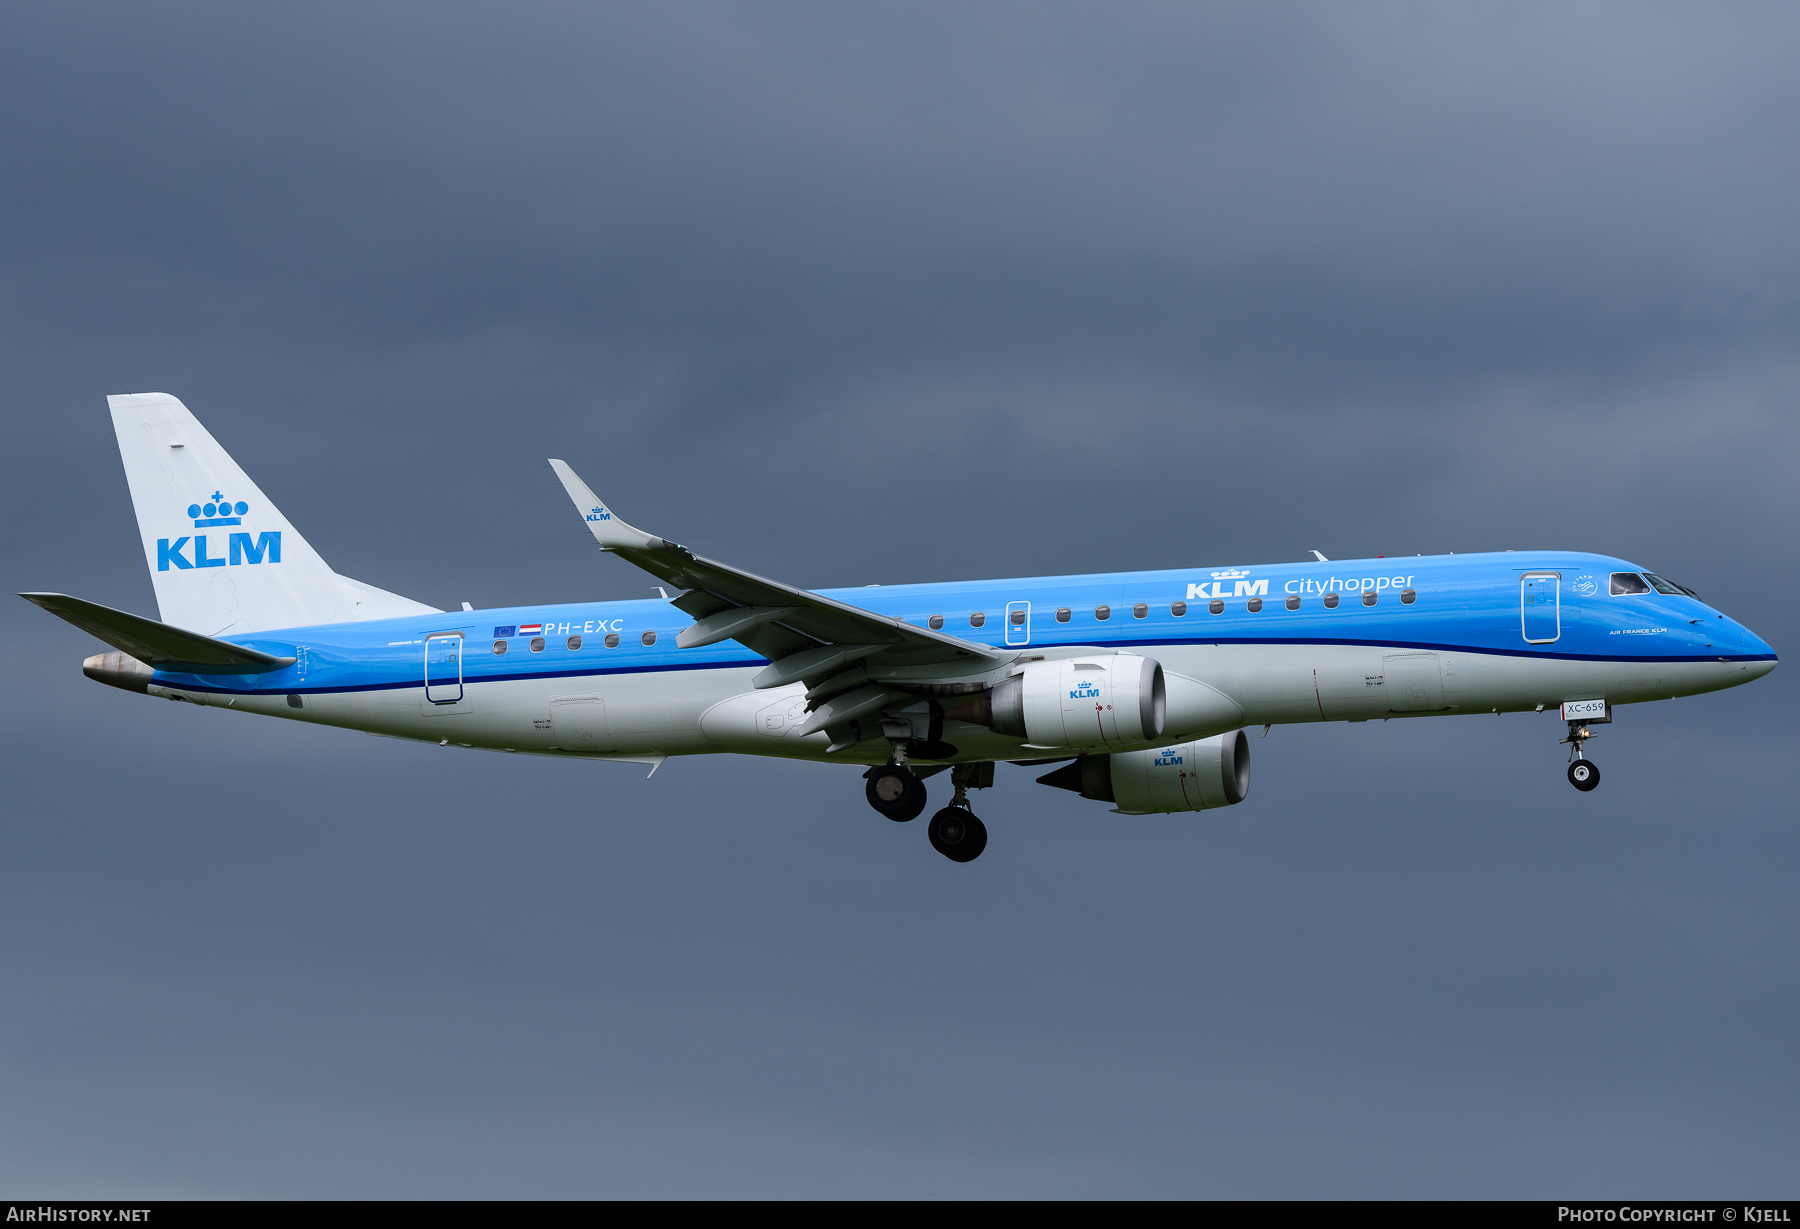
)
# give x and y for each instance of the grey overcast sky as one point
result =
(885, 293)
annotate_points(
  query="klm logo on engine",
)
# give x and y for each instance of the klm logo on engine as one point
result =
(1241, 586)
(1169, 757)
(1085, 691)
(240, 548)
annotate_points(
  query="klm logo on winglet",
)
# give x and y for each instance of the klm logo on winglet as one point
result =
(241, 548)
(597, 513)
(1240, 586)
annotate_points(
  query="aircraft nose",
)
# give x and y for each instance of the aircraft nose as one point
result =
(1753, 645)
(1760, 668)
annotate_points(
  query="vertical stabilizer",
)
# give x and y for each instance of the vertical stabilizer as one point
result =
(223, 558)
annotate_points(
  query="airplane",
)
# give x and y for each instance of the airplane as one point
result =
(1138, 686)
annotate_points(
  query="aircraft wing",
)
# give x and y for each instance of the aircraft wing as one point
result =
(158, 645)
(804, 636)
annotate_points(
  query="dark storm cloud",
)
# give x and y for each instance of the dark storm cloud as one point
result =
(1490, 193)
(869, 294)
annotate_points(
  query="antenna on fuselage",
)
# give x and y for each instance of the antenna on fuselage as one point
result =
(1320, 558)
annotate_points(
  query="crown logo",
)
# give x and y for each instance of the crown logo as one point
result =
(598, 513)
(1229, 574)
(217, 510)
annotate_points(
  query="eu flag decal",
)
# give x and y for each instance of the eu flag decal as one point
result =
(500, 633)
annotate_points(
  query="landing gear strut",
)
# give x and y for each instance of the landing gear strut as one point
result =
(894, 790)
(1584, 774)
(954, 831)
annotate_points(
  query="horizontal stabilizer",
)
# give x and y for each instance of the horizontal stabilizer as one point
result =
(158, 645)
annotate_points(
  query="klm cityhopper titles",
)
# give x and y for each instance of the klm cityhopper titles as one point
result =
(1138, 685)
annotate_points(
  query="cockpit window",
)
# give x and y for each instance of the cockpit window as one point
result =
(1624, 584)
(1667, 586)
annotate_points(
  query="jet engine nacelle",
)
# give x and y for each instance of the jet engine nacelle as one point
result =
(1191, 776)
(1107, 700)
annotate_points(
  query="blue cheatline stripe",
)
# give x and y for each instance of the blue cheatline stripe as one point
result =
(417, 680)
(1434, 646)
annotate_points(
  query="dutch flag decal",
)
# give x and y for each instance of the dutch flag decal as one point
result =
(531, 629)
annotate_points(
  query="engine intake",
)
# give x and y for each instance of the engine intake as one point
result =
(1115, 700)
(1191, 776)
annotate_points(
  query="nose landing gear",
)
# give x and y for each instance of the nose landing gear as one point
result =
(1584, 774)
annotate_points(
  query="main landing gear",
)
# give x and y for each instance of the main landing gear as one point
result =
(954, 831)
(1584, 774)
(896, 792)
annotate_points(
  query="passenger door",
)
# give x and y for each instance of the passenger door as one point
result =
(1540, 607)
(443, 669)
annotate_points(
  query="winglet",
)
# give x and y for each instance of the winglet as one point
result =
(608, 530)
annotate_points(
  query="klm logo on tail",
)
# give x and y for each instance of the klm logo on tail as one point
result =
(241, 548)
(217, 511)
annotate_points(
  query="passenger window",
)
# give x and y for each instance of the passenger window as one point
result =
(1628, 584)
(612, 640)
(499, 648)
(1216, 606)
(1255, 605)
(1103, 613)
(1139, 611)
(1293, 601)
(1368, 597)
(574, 643)
(1667, 586)
(537, 644)
(1177, 609)
(1408, 596)
(649, 638)
(977, 619)
(1331, 601)
(935, 622)
(1016, 618)
(1062, 614)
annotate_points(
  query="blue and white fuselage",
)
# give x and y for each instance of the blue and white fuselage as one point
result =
(1275, 665)
(1140, 683)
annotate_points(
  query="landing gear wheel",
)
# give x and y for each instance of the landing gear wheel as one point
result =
(957, 834)
(896, 793)
(1584, 775)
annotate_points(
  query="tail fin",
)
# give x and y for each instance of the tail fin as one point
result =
(222, 557)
